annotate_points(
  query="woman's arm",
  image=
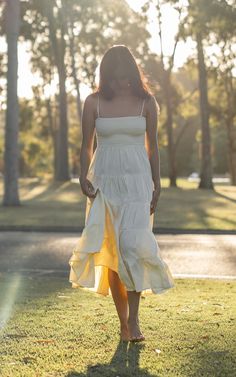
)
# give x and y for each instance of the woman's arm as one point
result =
(152, 111)
(88, 132)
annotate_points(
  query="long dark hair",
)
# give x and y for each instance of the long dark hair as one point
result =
(119, 57)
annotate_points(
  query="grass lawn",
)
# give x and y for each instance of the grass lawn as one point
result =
(49, 329)
(46, 204)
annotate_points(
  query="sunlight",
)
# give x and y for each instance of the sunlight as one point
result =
(169, 30)
(10, 296)
(27, 79)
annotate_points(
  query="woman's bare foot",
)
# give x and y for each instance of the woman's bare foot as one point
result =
(134, 330)
(124, 332)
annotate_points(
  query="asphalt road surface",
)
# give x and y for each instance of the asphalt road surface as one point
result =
(187, 255)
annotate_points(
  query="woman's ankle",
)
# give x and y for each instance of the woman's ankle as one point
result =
(132, 320)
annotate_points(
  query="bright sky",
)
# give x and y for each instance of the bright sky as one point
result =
(170, 22)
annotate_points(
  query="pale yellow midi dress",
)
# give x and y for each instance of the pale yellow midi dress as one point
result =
(118, 225)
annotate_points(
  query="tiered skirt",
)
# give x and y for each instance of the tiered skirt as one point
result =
(118, 227)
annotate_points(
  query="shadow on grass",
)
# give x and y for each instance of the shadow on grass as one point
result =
(124, 363)
(52, 189)
(30, 185)
(225, 197)
(211, 362)
(228, 221)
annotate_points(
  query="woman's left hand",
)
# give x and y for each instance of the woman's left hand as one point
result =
(155, 197)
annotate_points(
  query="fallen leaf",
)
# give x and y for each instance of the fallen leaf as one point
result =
(205, 336)
(191, 346)
(44, 341)
(28, 359)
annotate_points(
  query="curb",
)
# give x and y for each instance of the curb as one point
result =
(79, 229)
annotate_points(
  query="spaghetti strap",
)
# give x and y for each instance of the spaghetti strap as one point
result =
(142, 107)
(98, 106)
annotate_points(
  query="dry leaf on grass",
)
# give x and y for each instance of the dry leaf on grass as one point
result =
(44, 341)
(205, 336)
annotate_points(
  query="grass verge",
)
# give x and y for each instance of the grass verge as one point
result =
(49, 329)
(48, 205)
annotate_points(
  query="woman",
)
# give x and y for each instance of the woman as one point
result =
(117, 252)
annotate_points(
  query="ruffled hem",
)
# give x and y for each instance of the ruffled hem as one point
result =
(143, 270)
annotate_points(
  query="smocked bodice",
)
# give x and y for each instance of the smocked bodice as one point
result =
(121, 130)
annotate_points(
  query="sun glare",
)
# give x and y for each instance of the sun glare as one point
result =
(169, 28)
(8, 302)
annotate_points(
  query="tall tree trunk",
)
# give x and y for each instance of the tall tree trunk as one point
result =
(166, 87)
(172, 173)
(63, 161)
(231, 129)
(58, 48)
(232, 151)
(206, 164)
(73, 65)
(11, 153)
(53, 132)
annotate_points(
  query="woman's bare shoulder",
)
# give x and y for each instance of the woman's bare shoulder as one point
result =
(90, 102)
(91, 98)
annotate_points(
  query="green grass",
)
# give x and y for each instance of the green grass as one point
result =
(46, 204)
(50, 329)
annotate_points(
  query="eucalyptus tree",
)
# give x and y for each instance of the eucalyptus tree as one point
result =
(43, 25)
(224, 63)
(211, 24)
(164, 67)
(70, 37)
(11, 152)
(198, 26)
(57, 30)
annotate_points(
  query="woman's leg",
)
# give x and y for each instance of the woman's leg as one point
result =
(133, 320)
(120, 298)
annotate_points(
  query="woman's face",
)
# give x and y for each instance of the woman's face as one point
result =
(120, 81)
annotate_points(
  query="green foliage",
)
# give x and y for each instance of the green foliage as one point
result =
(96, 26)
(35, 145)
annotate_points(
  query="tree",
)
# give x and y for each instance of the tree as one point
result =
(53, 14)
(213, 21)
(206, 160)
(198, 26)
(12, 21)
(225, 38)
(165, 68)
(69, 37)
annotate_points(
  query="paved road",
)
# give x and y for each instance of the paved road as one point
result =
(187, 255)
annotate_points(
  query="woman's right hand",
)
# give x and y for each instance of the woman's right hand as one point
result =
(87, 188)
